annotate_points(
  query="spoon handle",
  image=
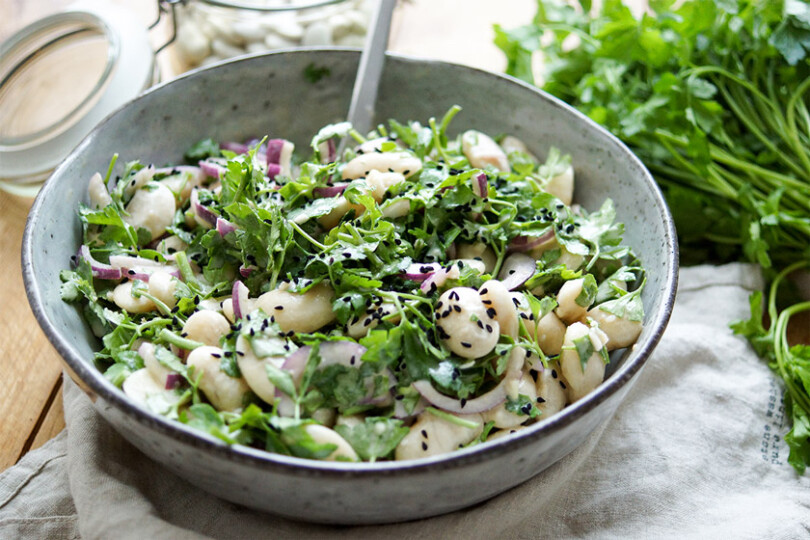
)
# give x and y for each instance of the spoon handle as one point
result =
(364, 95)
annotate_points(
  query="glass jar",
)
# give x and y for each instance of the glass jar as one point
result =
(212, 30)
(59, 77)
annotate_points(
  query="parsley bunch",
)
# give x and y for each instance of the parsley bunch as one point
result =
(712, 96)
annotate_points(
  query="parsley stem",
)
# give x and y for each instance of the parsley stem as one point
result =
(170, 337)
(311, 240)
(185, 269)
(452, 418)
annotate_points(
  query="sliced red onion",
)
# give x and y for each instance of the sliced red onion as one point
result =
(482, 403)
(421, 271)
(240, 297)
(331, 150)
(345, 353)
(273, 170)
(297, 361)
(100, 270)
(274, 147)
(527, 243)
(516, 270)
(436, 279)
(245, 271)
(225, 227)
(329, 191)
(235, 147)
(201, 211)
(480, 186)
(213, 170)
(173, 380)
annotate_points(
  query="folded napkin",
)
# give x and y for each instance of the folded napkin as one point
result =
(695, 451)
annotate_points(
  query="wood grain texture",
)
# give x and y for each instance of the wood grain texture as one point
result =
(29, 366)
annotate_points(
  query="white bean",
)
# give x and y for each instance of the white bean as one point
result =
(172, 244)
(397, 208)
(158, 371)
(206, 327)
(144, 389)
(582, 381)
(343, 206)
(162, 285)
(549, 334)
(504, 419)
(122, 296)
(139, 179)
(192, 43)
(572, 261)
(401, 162)
(183, 182)
(99, 196)
(480, 251)
(551, 396)
(431, 435)
(481, 151)
(562, 186)
(226, 393)
(513, 144)
(568, 310)
(360, 326)
(495, 295)
(380, 182)
(464, 323)
(621, 332)
(323, 435)
(151, 208)
(295, 312)
(495, 435)
(254, 369)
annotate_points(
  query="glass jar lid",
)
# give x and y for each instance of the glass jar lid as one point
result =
(59, 77)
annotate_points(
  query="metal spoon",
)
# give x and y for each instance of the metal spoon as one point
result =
(364, 95)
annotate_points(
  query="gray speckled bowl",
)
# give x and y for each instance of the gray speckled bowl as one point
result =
(270, 94)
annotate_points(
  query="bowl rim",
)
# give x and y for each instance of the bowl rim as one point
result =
(184, 434)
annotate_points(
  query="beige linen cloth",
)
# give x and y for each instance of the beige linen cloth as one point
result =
(695, 451)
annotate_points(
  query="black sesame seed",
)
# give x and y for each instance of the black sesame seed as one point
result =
(491, 313)
(457, 308)
(279, 308)
(534, 374)
(463, 402)
(216, 355)
(486, 302)
(483, 291)
(563, 385)
(424, 446)
(489, 328)
(466, 345)
(554, 373)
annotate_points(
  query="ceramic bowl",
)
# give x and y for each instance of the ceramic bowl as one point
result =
(272, 94)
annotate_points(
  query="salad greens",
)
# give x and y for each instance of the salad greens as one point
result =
(252, 237)
(712, 96)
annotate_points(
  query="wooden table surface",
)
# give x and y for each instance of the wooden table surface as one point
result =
(30, 369)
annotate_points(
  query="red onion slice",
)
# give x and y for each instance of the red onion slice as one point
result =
(482, 403)
(245, 271)
(274, 147)
(235, 147)
(273, 170)
(421, 271)
(516, 270)
(480, 186)
(201, 211)
(173, 380)
(329, 191)
(213, 170)
(99, 269)
(240, 296)
(527, 243)
(224, 227)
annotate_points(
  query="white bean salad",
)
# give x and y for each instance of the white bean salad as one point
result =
(417, 294)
